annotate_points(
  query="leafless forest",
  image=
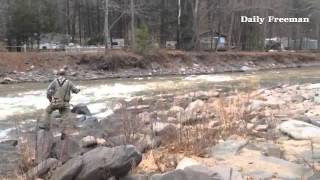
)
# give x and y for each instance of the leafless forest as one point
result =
(91, 22)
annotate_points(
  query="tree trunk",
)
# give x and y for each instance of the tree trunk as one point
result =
(106, 26)
(133, 42)
(179, 26)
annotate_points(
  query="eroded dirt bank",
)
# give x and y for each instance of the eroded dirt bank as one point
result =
(41, 67)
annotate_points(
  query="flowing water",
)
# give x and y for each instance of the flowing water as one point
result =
(22, 104)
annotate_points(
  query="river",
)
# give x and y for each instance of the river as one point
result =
(23, 104)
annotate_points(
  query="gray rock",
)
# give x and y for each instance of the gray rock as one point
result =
(174, 110)
(69, 170)
(101, 163)
(45, 142)
(297, 99)
(193, 111)
(246, 68)
(300, 130)
(81, 109)
(66, 149)
(135, 177)
(229, 147)
(147, 143)
(118, 140)
(43, 168)
(88, 141)
(160, 127)
(260, 175)
(173, 175)
(186, 162)
(201, 173)
(217, 173)
(297, 171)
(10, 143)
(90, 122)
(315, 120)
(145, 117)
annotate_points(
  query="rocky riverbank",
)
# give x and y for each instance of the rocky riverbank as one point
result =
(261, 134)
(41, 67)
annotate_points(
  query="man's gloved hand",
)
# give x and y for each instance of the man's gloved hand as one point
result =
(49, 98)
(77, 91)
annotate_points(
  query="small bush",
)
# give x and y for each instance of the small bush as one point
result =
(143, 39)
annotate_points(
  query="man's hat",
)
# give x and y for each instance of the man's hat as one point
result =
(61, 72)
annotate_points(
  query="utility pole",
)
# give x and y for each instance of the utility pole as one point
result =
(106, 26)
(132, 25)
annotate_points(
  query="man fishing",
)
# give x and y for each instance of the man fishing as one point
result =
(59, 95)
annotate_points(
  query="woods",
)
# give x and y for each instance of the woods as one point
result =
(92, 22)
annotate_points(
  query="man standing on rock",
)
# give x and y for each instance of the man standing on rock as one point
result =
(59, 95)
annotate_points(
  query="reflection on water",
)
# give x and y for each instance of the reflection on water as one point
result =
(29, 99)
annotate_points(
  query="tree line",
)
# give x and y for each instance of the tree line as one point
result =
(91, 22)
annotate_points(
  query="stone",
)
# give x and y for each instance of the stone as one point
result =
(88, 141)
(145, 117)
(13, 143)
(147, 142)
(42, 168)
(160, 127)
(7, 80)
(66, 149)
(69, 171)
(297, 99)
(193, 111)
(216, 172)
(118, 140)
(81, 109)
(300, 130)
(229, 147)
(101, 142)
(315, 120)
(185, 162)
(135, 177)
(45, 142)
(90, 122)
(174, 110)
(246, 68)
(100, 163)
(263, 127)
(260, 175)
(172, 175)
(213, 124)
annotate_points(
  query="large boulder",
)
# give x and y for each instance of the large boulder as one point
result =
(69, 171)
(66, 149)
(81, 109)
(100, 163)
(300, 130)
(45, 142)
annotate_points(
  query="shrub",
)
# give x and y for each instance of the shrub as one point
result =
(143, 39)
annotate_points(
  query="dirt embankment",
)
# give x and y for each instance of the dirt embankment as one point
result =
(28, 67)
